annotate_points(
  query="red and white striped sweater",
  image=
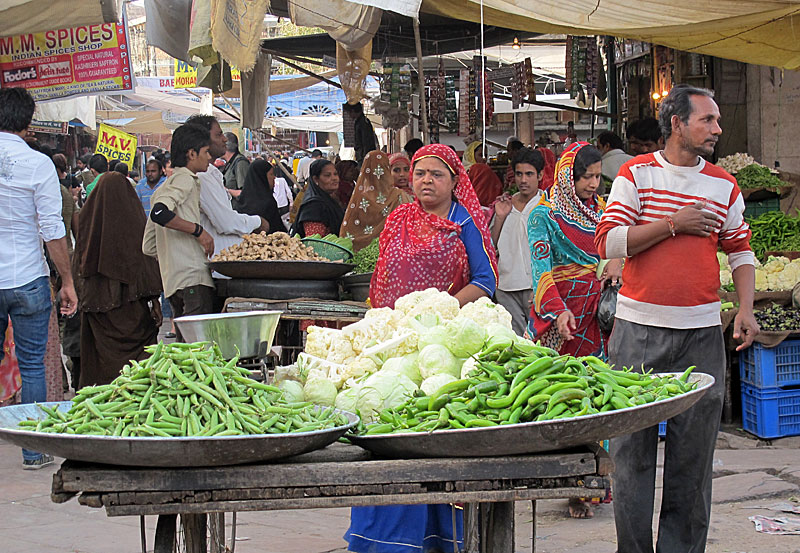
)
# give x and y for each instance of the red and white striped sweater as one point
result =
(674, 283)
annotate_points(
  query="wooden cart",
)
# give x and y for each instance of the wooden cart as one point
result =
(338, 476)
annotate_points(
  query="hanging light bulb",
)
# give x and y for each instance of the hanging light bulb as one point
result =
(656, 96)
(516, 45)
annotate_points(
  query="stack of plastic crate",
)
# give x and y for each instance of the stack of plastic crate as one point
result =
(771, 389)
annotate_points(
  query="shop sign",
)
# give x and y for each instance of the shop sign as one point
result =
(67, 62)
(115, 144)
(186, 75)
(50, 127)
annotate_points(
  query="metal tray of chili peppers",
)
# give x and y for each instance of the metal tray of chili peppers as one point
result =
(154, 451)
(535, 437)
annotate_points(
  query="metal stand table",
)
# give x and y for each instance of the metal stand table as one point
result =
(339, 476)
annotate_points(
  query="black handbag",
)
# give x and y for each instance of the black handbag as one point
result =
(607, 308)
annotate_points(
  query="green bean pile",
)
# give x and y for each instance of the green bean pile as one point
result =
(183, 390)
(524, 383)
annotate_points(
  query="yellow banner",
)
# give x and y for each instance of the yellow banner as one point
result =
(115, 144)
(186, 75)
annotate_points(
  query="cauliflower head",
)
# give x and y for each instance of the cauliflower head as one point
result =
(378, 325)
(318, 340)
(341, 351)
(484, 311)
(430, 301)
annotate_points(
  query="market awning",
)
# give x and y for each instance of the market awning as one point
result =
(134, 121)
(81, 108)
(763, 32)
(315, 123)
(34, 16)
(395, 38)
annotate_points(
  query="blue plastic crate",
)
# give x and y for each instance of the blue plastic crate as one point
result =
(771, 413)
(662, 429)
(776, 367)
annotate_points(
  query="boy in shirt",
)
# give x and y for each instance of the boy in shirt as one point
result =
(510, 234)
(173, 233)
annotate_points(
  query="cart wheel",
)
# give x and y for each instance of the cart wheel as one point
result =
(196, 533)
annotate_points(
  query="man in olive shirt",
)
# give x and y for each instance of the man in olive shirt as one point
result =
(173, 233)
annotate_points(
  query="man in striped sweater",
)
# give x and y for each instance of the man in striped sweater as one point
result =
(668, 213)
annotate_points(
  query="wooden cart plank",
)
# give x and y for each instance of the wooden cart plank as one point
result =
(353, 501)
(87, 478)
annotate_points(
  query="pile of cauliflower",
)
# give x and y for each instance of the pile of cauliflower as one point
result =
(778, 273)
(384, 358)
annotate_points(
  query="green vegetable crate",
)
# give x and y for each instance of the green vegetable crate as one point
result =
(754, 208)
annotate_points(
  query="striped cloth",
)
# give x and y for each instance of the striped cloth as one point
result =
(674, 283)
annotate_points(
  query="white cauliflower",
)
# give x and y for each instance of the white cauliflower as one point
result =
(378, 325)
(722, 258)
(725, 277)
(358, 367)
(469, 365)
(430, 301)
(341, 351)
(308, 365)
(483, 311)
(761, 280)
(318, 340)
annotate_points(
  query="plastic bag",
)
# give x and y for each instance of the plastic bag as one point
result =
(607, 307)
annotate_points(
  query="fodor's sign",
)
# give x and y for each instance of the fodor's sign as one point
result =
(115, 144)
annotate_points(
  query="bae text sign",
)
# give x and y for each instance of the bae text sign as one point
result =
(67, 62)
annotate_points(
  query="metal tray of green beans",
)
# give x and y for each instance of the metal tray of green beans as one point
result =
(533, 437)
(163, 452)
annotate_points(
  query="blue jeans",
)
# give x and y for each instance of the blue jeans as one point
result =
(166, 308)
(29, 308)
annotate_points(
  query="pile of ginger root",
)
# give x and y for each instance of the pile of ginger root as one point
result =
(277, 246)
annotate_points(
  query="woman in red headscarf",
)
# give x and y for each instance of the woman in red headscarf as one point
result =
(549, 171)
(400, 166)
(440, 240)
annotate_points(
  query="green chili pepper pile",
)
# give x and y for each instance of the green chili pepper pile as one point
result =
(525, 383)
(774, 231)
(758, 176)
(183, 390)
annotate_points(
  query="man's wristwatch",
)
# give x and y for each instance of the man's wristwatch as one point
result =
(198, 230)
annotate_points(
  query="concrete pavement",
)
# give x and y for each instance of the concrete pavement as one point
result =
(747, 479)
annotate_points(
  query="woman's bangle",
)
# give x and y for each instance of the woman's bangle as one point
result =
(198, 230)
(671, 225)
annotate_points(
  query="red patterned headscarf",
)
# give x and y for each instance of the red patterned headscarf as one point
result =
(420, 250)
(548, 173)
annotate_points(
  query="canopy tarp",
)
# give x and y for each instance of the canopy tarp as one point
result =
(81, 108)
(758, 32)
(316, 123)
(34, 16)
(150, 99)
(134, 121)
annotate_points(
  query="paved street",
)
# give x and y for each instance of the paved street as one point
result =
(747, 477)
